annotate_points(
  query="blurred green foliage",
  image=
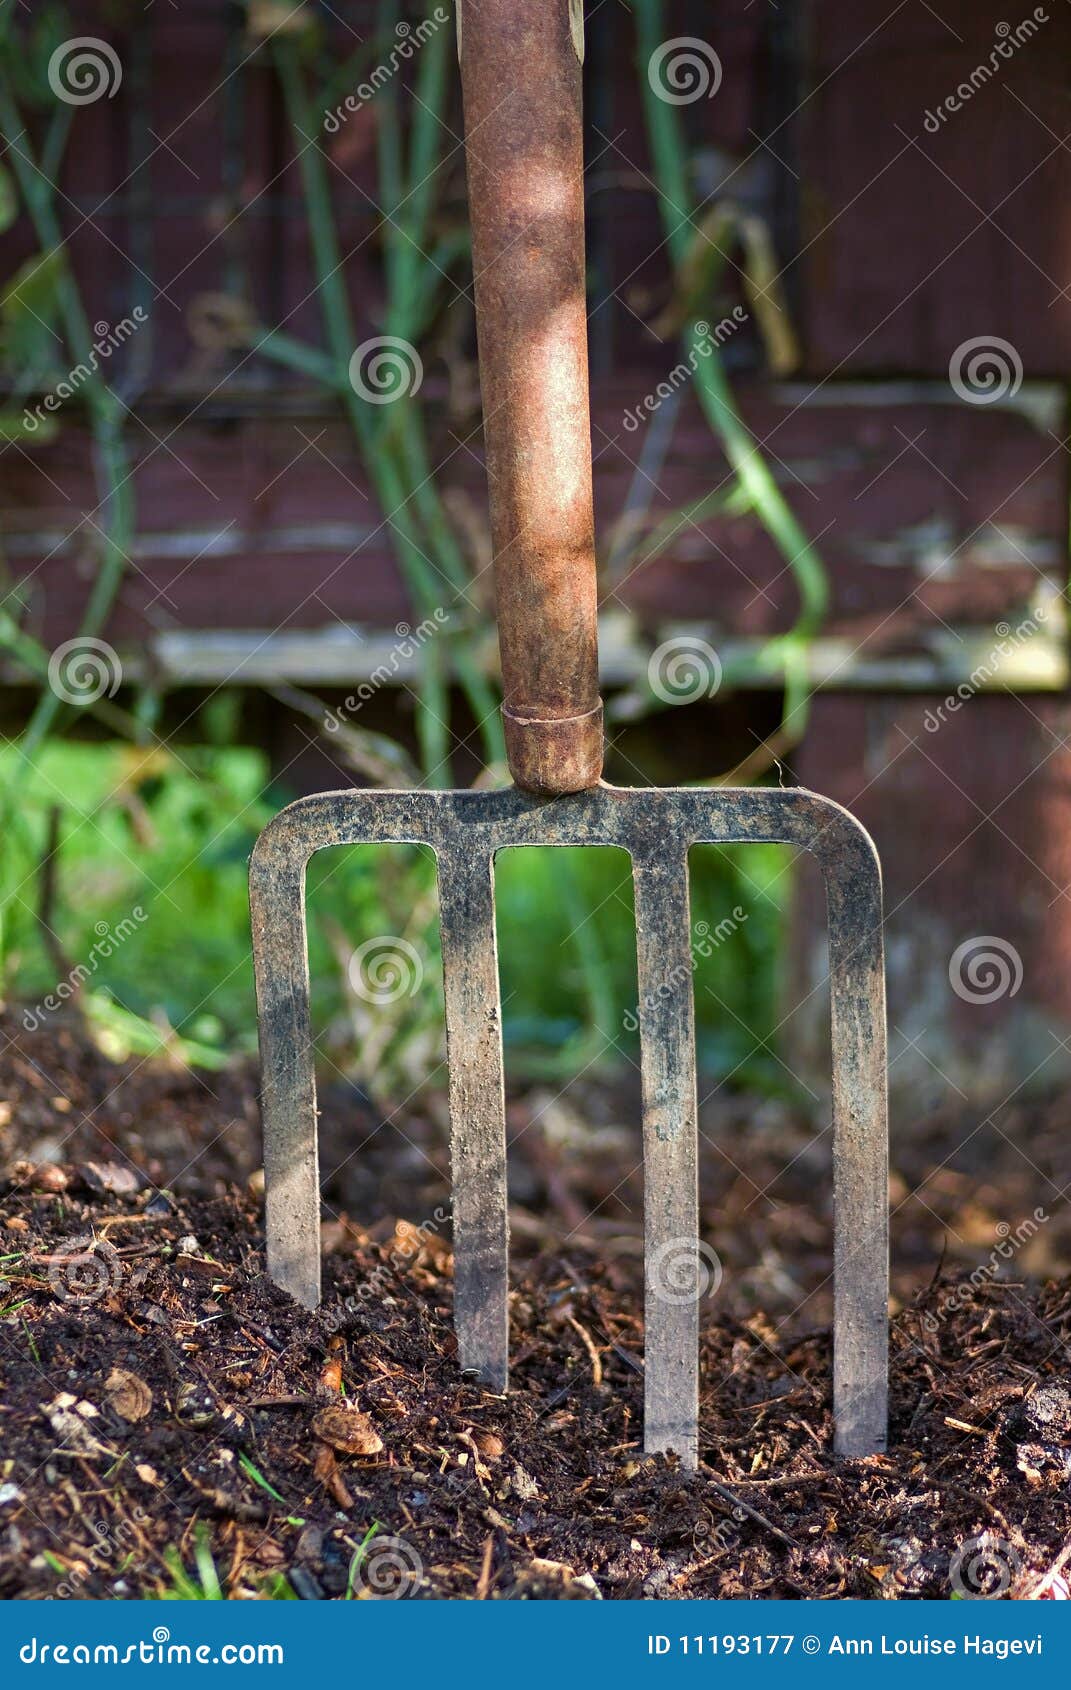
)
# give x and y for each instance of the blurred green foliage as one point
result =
(142, 830)
(141, 827)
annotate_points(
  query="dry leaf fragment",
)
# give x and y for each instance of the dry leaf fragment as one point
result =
(488, 1444)
(48, 1177)
(346, 1428)
(130, 1397)
(326, 1469)
(114, 1178)
(331, 1374)
(524, 1485)
(67, 1418)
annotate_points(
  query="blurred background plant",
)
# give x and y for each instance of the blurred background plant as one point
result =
(118, 817)
(139, 829)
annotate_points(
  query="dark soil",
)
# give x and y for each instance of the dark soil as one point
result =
(166, 1413)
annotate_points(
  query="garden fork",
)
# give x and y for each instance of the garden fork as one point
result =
(521, 80)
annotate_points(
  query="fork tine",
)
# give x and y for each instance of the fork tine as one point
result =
(860, 1154)
(288, 1080)
(477, 1110)
(673, 1270)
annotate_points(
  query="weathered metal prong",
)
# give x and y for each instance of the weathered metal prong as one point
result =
(477, 1110)
(674, 1272)
(288, 1080)
(657, 827)
(860, 1151)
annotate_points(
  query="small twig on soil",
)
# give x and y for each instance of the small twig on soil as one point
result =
(483, 1583)
(46, 906)
(221, 1502)
(589, 1345)
(785, 1481)
(1057, 1567)
(753, 1513)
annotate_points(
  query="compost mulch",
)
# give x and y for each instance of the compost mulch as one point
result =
(166, 1413)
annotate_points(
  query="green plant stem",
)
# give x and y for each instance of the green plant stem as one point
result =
(407, 193)
(677, 208)
(389, 160)
(432, 726)
(409, 439)
(415, 274)
(104, 409)
(386, 459)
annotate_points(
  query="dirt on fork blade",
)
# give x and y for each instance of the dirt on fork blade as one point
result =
(171, 1423)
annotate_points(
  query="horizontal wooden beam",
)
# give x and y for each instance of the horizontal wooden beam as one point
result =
(1025, 652)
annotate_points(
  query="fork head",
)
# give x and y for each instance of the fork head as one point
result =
(657, 827)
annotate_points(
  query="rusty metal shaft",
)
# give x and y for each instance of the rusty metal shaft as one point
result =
(520, 72)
